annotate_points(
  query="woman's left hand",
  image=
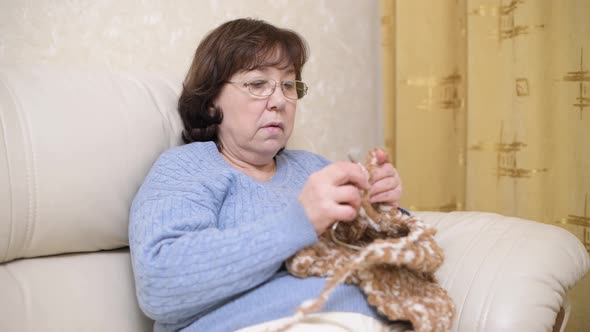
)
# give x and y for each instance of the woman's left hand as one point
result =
(386, 185)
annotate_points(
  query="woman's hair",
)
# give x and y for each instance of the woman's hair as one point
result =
(242, 44)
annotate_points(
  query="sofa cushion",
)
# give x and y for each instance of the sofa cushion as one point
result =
(75, 145)
(72, 292)
(506, 273)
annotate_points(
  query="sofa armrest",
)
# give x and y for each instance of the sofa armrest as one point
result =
(506, 273)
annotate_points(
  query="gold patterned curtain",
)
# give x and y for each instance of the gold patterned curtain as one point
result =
(487, 108)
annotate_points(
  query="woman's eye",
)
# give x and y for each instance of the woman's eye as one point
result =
(257, 84)
(289, 85)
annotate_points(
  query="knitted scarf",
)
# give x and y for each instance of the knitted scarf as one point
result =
(391, 256)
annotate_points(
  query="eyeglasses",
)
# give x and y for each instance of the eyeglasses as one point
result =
(265, 87)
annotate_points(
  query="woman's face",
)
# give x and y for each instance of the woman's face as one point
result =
(255, 128)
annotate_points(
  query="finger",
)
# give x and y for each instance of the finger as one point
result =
(348, 194)
(344, 212)
(381, 156)
(391, 197)
(384, 185)
(383, 171)
(345, 172)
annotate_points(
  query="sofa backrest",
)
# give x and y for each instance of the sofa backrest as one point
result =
(75, 145)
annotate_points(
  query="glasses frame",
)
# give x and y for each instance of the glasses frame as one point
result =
(274, 87)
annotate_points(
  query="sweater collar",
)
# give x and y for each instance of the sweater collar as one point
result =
(281, 164)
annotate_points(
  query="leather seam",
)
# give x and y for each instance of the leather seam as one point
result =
(31, 176)
(10, 185)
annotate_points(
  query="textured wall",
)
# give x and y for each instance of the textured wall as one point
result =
(341, 113)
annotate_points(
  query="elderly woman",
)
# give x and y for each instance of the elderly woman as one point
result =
(214, 220)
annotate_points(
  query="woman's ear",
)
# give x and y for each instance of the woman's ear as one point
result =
(212, 110)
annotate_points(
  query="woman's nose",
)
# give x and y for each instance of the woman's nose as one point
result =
(277, 98)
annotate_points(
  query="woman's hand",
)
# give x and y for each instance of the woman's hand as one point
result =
(332, 194)
(386, 184)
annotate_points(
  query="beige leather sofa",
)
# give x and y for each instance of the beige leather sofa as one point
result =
(75, 145)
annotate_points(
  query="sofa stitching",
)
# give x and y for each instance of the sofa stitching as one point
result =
(10, 186)
(31, 177)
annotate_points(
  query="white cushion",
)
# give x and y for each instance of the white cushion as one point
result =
(73, 292)
(75, 145)
(506, 273)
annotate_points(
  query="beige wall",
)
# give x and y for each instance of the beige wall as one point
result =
(340, 115)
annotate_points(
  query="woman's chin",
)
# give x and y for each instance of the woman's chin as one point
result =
(274, 141)
(272, 146)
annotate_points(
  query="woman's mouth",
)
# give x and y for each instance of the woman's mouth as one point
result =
(277, 125)
(273, 127)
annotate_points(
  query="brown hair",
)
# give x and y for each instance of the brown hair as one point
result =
(242, 44)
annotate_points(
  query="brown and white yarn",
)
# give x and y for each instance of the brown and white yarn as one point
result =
(391, 256)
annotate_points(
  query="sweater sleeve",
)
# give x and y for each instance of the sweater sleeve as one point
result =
(184, 263)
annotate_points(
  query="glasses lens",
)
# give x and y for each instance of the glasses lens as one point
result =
(265, 88)
(294, 89)
(301, 89)
(261, 88)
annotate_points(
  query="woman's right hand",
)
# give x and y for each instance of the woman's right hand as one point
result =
(332, 194)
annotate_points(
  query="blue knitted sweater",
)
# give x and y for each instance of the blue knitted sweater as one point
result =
(208, 242)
